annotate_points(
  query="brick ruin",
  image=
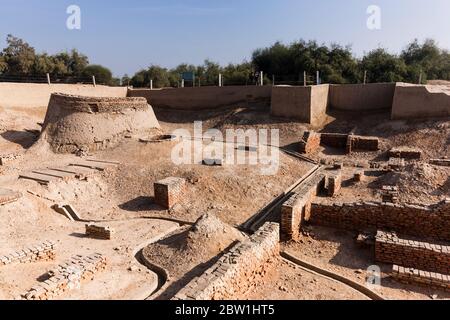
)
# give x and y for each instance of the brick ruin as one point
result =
(391, 249)
(297, 207)
(67, 276)
(240, 269)
(169, 191)
(405, 153)
(415, 220)
(44, 251)
(421, 278)
(99, 232)
(349, 142)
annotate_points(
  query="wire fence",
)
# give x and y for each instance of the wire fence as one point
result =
(53, 79)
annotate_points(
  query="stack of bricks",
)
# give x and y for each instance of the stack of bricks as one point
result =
(389, 194)
(8, 196)
(405, 153)
(310, 142)
(169, 191)
(334, 140)
(420, 277)
(99, 232)
(44, 251)
(413, 220)
(298, 205)
(67, 276)
(242, 268)
(333, 184)
(389, 248)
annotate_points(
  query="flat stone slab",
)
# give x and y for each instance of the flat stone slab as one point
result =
(41, 178)
(101, 166)
(8, 196)
(56, 174)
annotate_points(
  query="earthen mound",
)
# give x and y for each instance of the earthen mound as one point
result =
(203, 241)
(75, 123)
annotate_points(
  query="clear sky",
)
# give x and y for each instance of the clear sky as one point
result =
(132, 34)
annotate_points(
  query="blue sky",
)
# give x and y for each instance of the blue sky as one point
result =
(132, 34)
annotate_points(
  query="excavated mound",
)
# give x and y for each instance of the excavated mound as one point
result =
(203, 241)
(75, 123)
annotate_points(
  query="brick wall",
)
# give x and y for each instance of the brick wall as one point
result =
(310, 142)
(423, 221)
(333, 183)
(298, 205)
(420, 277)
(169, 191)
(67, 276)
(389, 248)
(238, 270)
(99, 232)
(360, 143)
(44, 251)
(334, 140)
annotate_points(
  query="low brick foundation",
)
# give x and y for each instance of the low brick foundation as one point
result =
(99, 232)
(310, 142)
(8, 196)
(297, 207)
(238, 270)
(421, 278)
(441, 162)
(389, 248)
(405, 153)
(44, 251)
(169, 191)
(422, 221)
(349, 142)
(67, 276)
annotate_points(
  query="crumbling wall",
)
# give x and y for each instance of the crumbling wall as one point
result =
(389, 248)
(44, 251)
(198, 98)
(362, 97)
(423, 221)
(419, 101)
(74, 123)
(239, 270)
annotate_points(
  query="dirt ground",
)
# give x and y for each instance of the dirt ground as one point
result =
(122, 197)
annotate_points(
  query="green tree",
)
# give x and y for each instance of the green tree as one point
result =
(382, 66)
(19, 56)
(159, 75)
(102, 74)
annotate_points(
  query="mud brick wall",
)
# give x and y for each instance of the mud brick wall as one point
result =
(441, 162)
(240, 269)
(67, 276)
(99, 232)
(310, 142)
(44, 251)
(405, 153)
(421, 278)
(389, 248)
(169, 191)
(334, 140)
(298, 206)
(333, 184)
(359, 143)
(422, 221)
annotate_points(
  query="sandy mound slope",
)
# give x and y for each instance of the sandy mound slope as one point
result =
(202, 242)
(419, 183)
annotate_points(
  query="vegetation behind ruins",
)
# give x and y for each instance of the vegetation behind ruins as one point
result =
(282, 63)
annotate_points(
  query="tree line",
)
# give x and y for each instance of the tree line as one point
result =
(418, 61)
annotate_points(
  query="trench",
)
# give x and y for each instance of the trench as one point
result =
(330, 275)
